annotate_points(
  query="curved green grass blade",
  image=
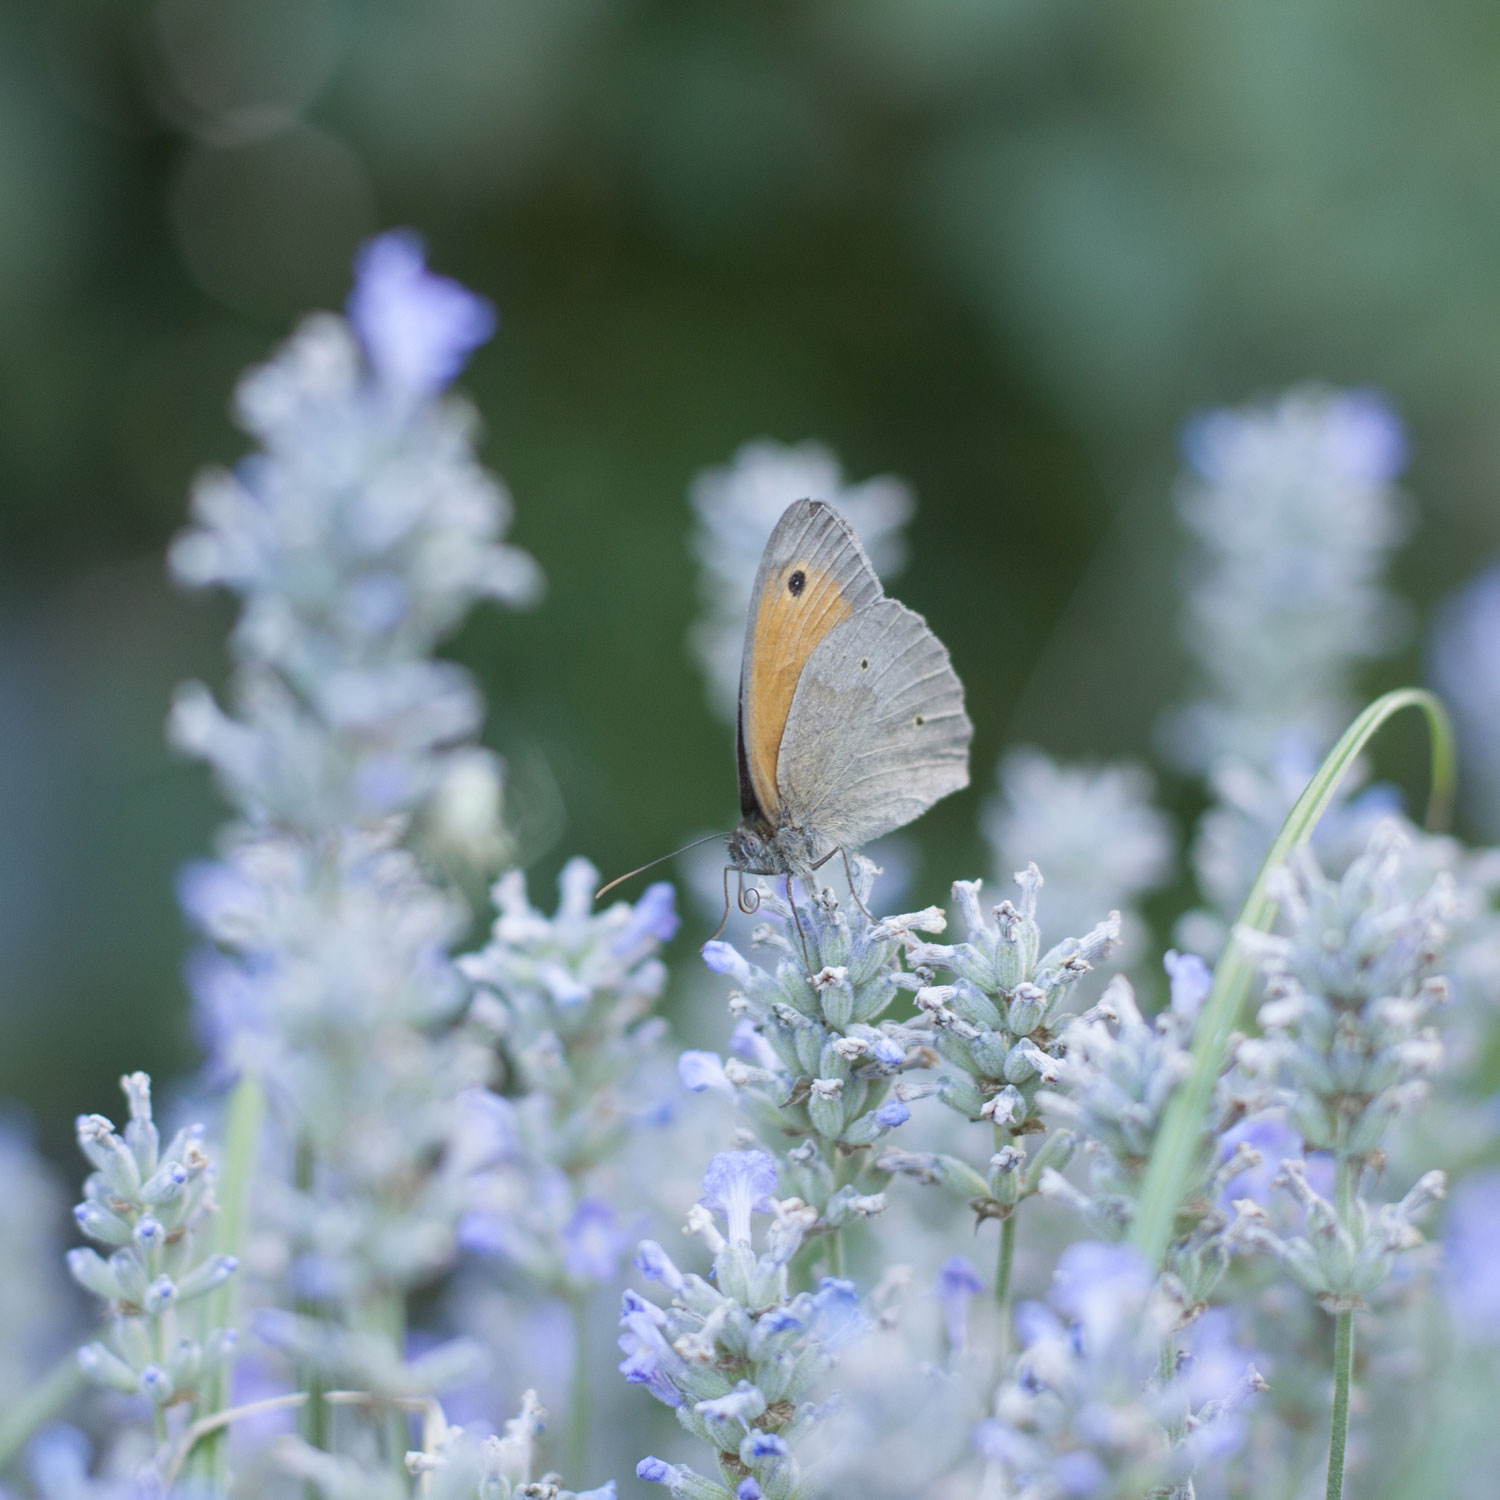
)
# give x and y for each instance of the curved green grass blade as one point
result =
(1171, 1159)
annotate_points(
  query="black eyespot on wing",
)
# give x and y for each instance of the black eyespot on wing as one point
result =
(919, 721)
(796, 583)
(864, 664)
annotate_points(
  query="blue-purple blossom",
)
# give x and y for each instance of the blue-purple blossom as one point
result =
(703, 1070)
(418, 329)
(737, 1184)
(656, 1265)
(649, 1359)
(593, 1241)
(957, 1285)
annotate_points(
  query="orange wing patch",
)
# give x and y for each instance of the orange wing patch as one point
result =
(800, 605)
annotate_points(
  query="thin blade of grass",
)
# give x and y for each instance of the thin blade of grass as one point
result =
(1172, 1156)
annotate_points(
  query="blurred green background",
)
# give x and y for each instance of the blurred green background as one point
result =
(998, 247)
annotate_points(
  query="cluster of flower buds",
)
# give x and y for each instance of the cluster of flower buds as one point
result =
(741, 1360)
(1091, 1411)
(566, 1000)
(813, 1066)
(1349, 995)
(148, 1203)
(998, 1025)
(1117, 1073)
(1346, 1048)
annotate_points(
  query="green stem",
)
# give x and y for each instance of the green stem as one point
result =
(242, 1132)
(1343, 1342)
(1176, 1143)
(1002, 1283)
(578, 1416)
(1343, 1365)
(38, 1405)
(836, 1253)
(384, 1315)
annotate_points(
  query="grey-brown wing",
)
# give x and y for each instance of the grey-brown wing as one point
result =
(813, 575)
(877, 731)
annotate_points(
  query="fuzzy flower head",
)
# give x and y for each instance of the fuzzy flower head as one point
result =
(1117, 1074)
(576, 975)
(1293, 511)
(1093, 829)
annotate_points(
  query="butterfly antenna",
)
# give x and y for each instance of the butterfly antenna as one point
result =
(651, 863)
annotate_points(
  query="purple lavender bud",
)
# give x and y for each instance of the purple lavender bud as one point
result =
(703, 1070)
(656, 1265)
(593, 1241)
(418, 329)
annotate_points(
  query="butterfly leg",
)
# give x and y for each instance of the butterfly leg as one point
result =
(848, 875)
(801, 935)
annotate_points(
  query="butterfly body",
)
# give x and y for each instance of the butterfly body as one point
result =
(851, 717)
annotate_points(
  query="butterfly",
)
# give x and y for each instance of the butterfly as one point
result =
(851, 717)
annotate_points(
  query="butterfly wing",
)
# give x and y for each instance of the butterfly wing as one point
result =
(877, 730)
(813, 576)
